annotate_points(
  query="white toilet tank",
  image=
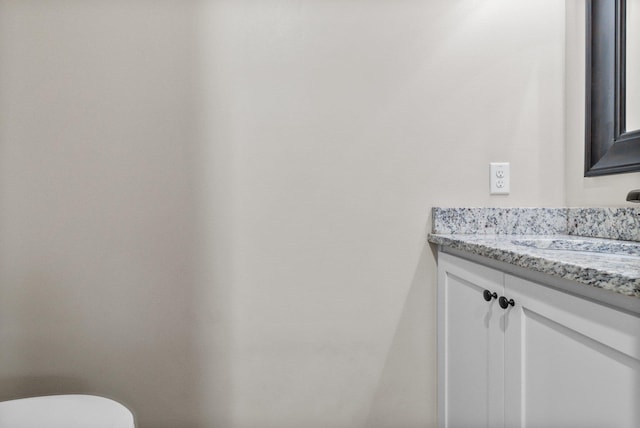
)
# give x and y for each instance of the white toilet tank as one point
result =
(65, 411)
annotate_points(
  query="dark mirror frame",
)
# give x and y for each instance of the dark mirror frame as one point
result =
(609, 149)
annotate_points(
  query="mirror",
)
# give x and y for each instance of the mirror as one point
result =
(632, 72)
(613, 87)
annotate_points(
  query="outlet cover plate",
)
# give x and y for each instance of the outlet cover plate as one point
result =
(500, 178)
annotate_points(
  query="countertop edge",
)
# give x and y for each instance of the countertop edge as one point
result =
(589, 277)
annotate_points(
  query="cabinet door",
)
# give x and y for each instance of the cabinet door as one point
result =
(569, 362)
(470, 345)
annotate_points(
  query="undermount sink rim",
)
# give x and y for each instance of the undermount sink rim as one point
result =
(581, 245)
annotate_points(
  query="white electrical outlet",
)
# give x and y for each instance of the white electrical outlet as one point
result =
(500, 178)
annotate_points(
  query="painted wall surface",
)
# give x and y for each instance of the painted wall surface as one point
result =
(610, 190)
(216, 212)
(97, 233)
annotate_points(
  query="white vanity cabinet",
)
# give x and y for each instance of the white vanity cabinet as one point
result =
(470, 345)
(550, 359)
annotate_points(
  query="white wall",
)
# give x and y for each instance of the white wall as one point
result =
(97, 238)
(229, 230)
(610, 190)
(343, 123)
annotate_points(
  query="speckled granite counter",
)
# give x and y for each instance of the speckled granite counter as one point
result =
(547, 241)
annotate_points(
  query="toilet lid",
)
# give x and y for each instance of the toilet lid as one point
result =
(65, 411)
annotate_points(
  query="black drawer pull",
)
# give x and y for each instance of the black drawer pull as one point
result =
(504, 303)
(488, 295)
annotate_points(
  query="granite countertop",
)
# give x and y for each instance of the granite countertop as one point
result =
(546, 241)
(584, 260)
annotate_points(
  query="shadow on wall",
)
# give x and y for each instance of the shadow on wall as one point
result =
(409, 363)
(38, 311)
(27, 386)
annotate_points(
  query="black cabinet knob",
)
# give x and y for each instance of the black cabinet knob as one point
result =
(504, 303)
(488, 295)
